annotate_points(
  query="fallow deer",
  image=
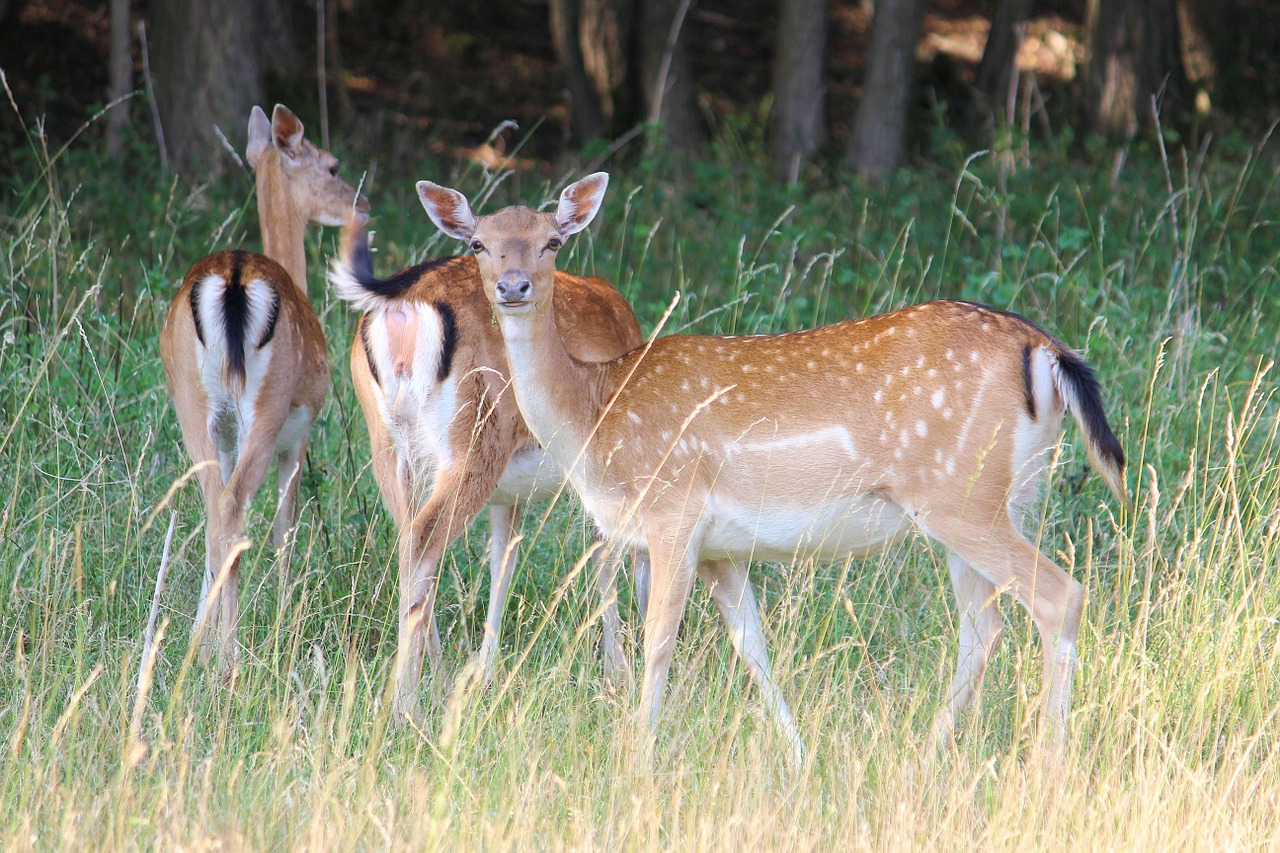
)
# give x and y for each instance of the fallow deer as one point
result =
(245, 358)
(820, 444)
(446, 437)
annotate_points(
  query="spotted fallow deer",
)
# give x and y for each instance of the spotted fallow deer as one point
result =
(245, 358)
(819, 444)
(446, 436)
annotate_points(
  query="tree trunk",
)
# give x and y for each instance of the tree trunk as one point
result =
(337, 75)
(120, 63)
(666, 72)
(585, 118)
(606, 30)
(877, 143)
(995, 87)
(798, 126)
(1134, 55)
(209, 58)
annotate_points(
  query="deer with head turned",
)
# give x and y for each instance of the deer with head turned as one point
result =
(245, 358)
(446, 436)
(711, 451)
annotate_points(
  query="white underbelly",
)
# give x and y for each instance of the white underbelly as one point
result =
(530, 475)
(294, 429)
(855, 526)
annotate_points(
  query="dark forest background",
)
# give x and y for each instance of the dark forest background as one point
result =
(819, 84)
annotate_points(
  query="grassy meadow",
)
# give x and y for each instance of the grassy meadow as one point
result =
(1163, 268)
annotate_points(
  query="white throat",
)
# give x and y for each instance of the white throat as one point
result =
(536, 380)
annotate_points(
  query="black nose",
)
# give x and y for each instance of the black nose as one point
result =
(514, 287)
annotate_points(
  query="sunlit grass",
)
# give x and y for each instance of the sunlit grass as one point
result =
(1169, 285)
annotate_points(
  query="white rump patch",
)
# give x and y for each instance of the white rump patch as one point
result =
(412, 355)
(230, 410)
(1034, 441)
(416, 407)
(213, 293)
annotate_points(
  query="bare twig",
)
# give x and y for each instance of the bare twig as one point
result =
(231, 149)
(150, 651)
(151, 95)
(664, 69)
(320, 76)
(613, 149)
(148, 636)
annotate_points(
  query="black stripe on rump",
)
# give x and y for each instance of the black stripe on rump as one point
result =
(194, 297)
(273, 314)
(1026, 381)
(235, 316)
(449, 338)
(368, 349)
(1076, 372)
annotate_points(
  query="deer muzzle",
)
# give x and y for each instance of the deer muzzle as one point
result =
(514, 287)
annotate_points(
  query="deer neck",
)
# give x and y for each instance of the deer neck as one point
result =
(559, 396)
(283, 225)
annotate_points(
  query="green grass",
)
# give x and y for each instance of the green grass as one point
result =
(1168, 282)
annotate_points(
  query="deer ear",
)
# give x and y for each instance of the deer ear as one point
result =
(288, 131)
(580, 202)
(448, 209)
(259, 137)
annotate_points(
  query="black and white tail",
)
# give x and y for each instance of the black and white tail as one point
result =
(351, 273)
(1075, 381)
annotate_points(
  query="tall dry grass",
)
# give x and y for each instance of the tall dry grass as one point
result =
(1169, 285)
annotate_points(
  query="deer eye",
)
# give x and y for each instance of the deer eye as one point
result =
(554, 244)
(477, 246)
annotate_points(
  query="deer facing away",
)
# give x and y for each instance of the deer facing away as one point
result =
(713, 451)
(245, 360)
(446, 436)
